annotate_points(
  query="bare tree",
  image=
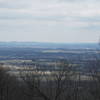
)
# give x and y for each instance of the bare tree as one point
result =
(47, 85)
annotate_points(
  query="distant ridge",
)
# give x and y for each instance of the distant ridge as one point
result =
(49, 45)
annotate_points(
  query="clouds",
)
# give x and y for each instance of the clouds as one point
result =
(50, 17)
(14, 4)
(51, 8)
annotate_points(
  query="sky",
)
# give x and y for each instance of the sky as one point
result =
(65, 21)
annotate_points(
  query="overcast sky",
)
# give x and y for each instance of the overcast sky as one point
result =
(50, 20)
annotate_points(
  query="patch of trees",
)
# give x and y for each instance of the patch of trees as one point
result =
(60, 84)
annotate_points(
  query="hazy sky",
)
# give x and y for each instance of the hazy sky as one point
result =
(50, 20)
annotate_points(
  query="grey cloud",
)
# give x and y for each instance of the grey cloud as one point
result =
(49, 18)
(14, 4)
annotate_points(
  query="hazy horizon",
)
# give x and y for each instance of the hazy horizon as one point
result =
(49, 42)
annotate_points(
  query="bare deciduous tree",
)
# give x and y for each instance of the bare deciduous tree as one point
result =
(48, 85)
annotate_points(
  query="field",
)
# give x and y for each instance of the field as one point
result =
(46, 56)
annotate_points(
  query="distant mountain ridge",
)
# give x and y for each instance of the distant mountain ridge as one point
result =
(50, 45)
